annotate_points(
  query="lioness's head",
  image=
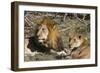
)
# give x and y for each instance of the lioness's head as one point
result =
(75, 41)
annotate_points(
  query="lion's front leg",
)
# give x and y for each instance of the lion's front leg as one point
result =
(62, 53)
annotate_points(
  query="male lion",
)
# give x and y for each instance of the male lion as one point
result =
(47, 37)
(79, 46)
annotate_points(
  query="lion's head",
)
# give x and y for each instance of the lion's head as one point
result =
(47, 33)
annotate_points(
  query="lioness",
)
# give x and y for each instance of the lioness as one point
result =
(79, 47)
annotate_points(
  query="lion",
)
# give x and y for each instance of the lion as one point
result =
(79, 46)
(48, 35)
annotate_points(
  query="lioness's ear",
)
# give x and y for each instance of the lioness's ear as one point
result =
(71, 35)
(69, 39)
(79, 36)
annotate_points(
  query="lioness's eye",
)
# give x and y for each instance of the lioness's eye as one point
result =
(43, 29)
(74, 39)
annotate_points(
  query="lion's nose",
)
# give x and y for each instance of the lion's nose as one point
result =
(38, 34)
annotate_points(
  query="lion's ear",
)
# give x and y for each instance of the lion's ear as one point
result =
(54, 27)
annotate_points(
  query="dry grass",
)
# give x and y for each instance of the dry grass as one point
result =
(67, 25)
